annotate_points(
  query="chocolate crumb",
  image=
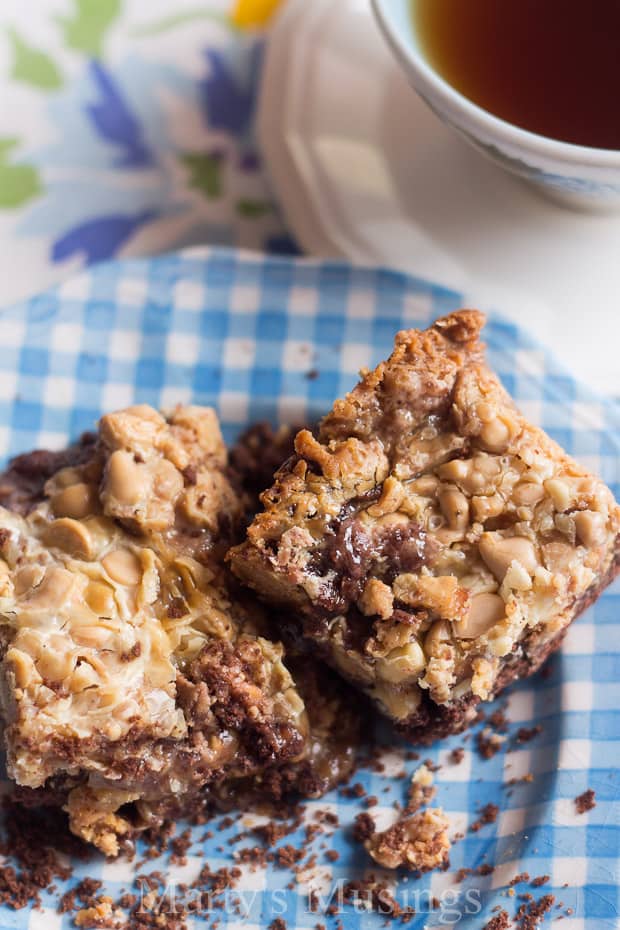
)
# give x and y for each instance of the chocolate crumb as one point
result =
(488, 814)
(489, 743)
(585, 802)
(363, 828)
(530, 915)
(501, 921)
(525, 734)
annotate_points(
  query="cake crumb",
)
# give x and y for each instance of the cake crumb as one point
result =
(501, 921)
(585, 802)
(488, 814)
(418, 842)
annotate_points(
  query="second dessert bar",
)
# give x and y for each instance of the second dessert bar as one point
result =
(434, 545)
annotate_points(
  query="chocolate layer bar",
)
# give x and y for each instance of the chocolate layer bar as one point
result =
(434, 544)
(133, 675)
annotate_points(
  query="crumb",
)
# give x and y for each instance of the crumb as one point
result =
(457, 755)
(585, 802)
(363, 828)
(521, 877)
(499, 721)
(529, 916)
(489, 743)
(501, 921)
(540, 880)
(488, 814)
(525, 734)
(418, 842)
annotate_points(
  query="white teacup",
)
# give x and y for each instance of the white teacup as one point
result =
(575, 175)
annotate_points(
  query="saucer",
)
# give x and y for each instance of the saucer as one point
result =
(365, 171)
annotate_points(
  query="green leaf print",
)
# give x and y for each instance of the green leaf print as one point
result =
(205, 173)
(85, 28)
(18, 183)
(33, 66)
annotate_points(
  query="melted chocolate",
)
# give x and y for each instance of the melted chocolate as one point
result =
(358, 549)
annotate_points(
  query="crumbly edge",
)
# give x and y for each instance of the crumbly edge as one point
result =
(429, 529)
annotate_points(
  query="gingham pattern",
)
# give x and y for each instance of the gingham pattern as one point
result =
(244, 333)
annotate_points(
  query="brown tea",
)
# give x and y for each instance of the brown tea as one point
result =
(550, 66)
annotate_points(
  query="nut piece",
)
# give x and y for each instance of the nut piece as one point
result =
(560, 493)
(438, 635)
(499, 551)
(485, 611)
(77, 501)
(123, 566)
(497, 429)
(402, 664)
(485, 508)
(377, 599)
(528, 493)
(590, 527)
(455, 508)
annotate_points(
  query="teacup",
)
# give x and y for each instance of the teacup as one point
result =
(575, 175)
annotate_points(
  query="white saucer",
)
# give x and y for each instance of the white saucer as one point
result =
(365, 171)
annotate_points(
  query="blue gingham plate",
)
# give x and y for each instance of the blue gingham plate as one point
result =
(263, 337)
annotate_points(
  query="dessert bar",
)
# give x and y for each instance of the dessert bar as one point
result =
(433, 544)
(134, 676)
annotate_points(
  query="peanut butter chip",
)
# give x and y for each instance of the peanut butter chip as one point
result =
(53, 590)
(70, 536)
(498, 552)
(100, 598)
(125, 479)
(485, 611)
(76, 501)
(123, 567)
